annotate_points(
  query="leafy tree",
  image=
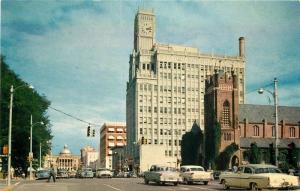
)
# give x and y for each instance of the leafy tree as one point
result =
(26, 102)
(212, 142)
(254, 154)
(190, 146)
(223, 160)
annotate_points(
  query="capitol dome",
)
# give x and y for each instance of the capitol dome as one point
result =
(65, 151)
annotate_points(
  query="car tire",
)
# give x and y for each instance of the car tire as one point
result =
(253, 186)
(225, 187)
(205, 182)
(146, 181)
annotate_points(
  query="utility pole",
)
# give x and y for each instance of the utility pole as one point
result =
(30, 154)
(9, 134)
(40, 155)
(276, 120)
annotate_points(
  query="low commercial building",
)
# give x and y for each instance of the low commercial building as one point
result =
(112, 135)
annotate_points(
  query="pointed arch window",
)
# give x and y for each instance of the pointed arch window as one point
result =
(256, 130)
(226, 114)
(292, 132)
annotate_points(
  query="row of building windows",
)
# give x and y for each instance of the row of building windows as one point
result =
(148, 87)
(144, 131)
(168, 110)
(292, 131)
(180, 76)
(166, 121)
(161, 142)
(183, 66)
(227, 136)
(163, 99)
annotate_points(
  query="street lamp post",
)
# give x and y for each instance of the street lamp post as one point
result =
(10, 129)
(275, 98)
(31, 153)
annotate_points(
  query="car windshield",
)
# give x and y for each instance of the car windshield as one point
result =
(197, 169)
(267, 170)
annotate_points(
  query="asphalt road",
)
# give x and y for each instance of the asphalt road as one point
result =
(114, 184)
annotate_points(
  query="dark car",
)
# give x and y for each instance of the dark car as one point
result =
(42, 174)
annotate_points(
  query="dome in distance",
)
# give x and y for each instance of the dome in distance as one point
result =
(65, 151)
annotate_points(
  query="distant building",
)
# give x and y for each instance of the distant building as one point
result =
(89, 156)
(111, 135)
(245, 124)
(165, 91)
(65, 160)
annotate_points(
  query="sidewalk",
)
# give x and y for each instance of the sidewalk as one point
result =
(4, 187)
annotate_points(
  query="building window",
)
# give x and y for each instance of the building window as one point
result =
(226, 113)
(273, 131)
(256, 130)
(292, 132)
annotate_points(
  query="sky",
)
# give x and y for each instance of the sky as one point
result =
(76, 53)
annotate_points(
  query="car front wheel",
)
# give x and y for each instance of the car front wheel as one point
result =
(146, 181)
(225, 187)
(253, 186)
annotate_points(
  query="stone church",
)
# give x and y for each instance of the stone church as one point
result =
(245, 124)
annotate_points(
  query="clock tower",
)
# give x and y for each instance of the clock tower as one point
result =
(144, 30)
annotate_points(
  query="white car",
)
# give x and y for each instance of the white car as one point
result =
(193, 173)
(162, 175)
(103, 173)
(259, 176)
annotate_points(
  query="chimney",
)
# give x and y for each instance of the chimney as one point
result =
(242, 46)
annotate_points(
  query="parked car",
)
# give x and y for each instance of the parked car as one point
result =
(72, 174)
(258, 176)
(192, 173)
(62, 174)
(103, 173)
(86, 173)
(42, 174)
(162, 175)
(132, 174)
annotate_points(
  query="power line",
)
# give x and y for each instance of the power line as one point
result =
(74, 117)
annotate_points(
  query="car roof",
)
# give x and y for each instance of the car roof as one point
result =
(259, 166)
(190, 166)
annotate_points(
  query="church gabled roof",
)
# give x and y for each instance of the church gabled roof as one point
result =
(257, 113)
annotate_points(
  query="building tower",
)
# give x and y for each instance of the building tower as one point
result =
(222, 102)
(165, 92)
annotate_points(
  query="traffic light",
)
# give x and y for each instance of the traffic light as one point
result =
(93, 132)
(88, 131)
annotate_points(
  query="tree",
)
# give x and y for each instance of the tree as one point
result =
(212, 142)
(254, 154)
(190, 146)
(222, 162)
(26, 102)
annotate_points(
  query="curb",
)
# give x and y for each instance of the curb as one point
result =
(8, 188)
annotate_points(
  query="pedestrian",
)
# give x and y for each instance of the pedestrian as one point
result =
(52, 174)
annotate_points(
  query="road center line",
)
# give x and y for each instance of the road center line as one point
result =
(201, 188)
(112, 187)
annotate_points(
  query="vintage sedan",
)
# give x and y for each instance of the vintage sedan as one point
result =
(103, 173)
(86, 173)
(192, 173)
(162, 175)
(258, 176)
(42, 174)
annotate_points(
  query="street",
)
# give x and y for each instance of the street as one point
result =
(114, 184)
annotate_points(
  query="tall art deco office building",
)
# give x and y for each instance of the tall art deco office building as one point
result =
(165, 91)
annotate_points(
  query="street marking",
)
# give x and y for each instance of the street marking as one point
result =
(184, 188)
(112, 187)
(201, 188)
(168, 189)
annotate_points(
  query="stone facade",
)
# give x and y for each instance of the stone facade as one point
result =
(165, 91)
